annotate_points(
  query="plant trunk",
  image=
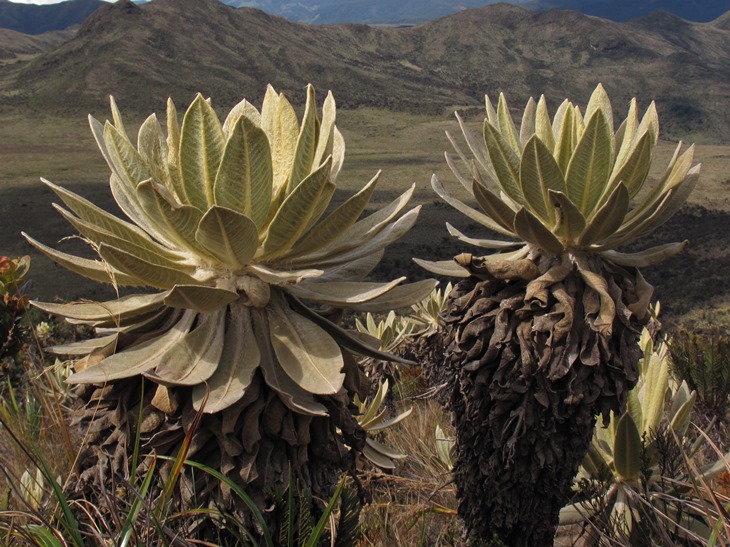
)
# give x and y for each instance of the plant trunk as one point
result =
(530, 364)
(259, 443)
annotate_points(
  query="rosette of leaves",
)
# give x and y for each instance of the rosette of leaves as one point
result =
(233, 228)
(373, 419)
(545, 323)
(641, 462)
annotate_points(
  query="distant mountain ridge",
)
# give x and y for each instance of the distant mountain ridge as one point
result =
(37, 19)
(416, 11)
(143, 53)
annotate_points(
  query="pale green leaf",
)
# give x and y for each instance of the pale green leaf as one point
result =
(126, 161)
(495, 208)
(308, 355)
(182, 221)
(529, 228)
(543, 128)
(173, 152)
(505, 161)
(201, 149)
(681, 396)
(654, 393)
(467, 211)
(569, 221)
(352, 340)
(306, 143)
(326, 131)
(633, 172)
(136, 359)
(84, 347)
(354, 269)
(376, 457)
(117, 115)
(153, 275)
(590, 165)
(195, 357)
(335, 255)
(678, 165)
(650, 123)
(475, 145)
(282, 277)
(563, 130)
(153, 148)
(229, 235)
(465, 180)
(112, 312)
(491, 112)
(539, 173)
(399, 297)
(149, 197)
(446, 268)
(150, 251)
(294, 214)
(242, 109)
(384, 450)
(527, 126)
(483, 243)
(681, 419)
(156, 321)
(608, 218)
(599, 101)
(506, 125)
(627, 449)
(677, 196)
(341, 293)
(97, 130)
(245, 176)
(337, 222)
(626, 137)
(199, 298)
(126, 197)
(338, 153)
(279, 122)
(323, 203)
(238, 362)
(293, 396)
(645, 258)
(91, 269)
(657, 213)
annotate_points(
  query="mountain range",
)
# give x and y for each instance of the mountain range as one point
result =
(415, 11)
(37, 19)
(144, 53)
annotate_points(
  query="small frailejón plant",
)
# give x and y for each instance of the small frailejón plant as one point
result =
(227, 225)
(544, 330)
(639, 466)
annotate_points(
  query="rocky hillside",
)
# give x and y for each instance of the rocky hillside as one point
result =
(145, 53)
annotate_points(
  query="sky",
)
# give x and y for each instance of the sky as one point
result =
(44, 2)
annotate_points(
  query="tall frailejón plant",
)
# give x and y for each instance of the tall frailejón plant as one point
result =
(544, 330)
(231, 227)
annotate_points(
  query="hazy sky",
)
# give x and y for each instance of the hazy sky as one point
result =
(43, 1)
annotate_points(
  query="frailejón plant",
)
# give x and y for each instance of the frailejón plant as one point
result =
(544, 329)
(231, 227)
(639, 461)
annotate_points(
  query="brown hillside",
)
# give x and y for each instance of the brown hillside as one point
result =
(15, 46)
(142, 54)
